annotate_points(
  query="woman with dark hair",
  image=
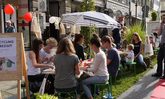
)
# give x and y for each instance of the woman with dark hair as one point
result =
(98, 67)
(78, 41)
(34, 64)
(137, 42)
(66, 62)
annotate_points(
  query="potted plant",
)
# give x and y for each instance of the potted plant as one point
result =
(134, 28)
(153, 16)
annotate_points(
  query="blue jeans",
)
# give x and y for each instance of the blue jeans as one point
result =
(92, 80)
(140, 60)
(160, 58)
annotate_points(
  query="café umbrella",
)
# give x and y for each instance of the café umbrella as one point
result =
(89, 18)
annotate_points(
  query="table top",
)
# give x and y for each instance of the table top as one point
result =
(48, 71)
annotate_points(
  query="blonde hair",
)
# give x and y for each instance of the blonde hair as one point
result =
(65, 46)
(52, 41)
(131, 46)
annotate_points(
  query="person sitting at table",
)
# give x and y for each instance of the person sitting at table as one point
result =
(47, 58)
(98, 67)
(78, 41)
(113, 57)
(137, 42)
(45, 52)
(34, 65)
(66, 62)
(129, 58)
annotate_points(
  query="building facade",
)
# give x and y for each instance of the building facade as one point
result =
(162, 4)
(117, 9)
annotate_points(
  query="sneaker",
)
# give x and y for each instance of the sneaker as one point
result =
(108, 96)
(156, 75)
(163, 77)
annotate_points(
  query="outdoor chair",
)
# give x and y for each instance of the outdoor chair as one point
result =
(107, 85)
(132, 65)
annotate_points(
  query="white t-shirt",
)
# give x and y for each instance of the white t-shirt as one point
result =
(99, 65)
(130, 56)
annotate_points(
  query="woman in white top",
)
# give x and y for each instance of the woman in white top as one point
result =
(98, 67)
(34, 63)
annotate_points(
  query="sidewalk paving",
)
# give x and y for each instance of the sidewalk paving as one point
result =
(8, 89)
(143, 88)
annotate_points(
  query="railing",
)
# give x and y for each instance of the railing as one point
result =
(125, 2)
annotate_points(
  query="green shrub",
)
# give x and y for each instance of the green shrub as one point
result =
(153, 16)
(45, 96)
(88, 5)
(135, 28)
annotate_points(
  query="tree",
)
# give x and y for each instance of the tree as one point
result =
(87, 5)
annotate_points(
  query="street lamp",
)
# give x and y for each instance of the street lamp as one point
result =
(136, 10)
(105, 7)
(4, 17)
(145, 12)
(129, 4)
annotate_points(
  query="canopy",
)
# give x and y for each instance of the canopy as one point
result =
(89, 18)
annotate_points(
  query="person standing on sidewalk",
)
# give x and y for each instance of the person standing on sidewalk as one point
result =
(161, 53)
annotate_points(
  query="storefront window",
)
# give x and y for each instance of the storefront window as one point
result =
(16, 19)
(8, 18)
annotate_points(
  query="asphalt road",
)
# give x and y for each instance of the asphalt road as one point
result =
(143, 88)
